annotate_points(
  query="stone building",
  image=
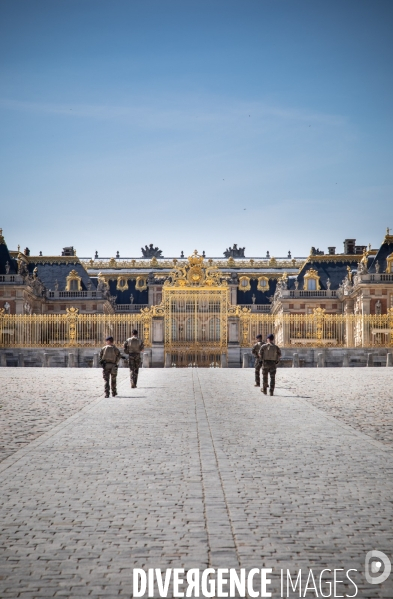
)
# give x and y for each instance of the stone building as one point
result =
(356, 281)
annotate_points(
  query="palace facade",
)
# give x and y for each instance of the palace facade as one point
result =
(200, 304)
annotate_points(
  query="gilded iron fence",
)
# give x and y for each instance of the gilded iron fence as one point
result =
(71, 329)
(318, 329)
(291, 330)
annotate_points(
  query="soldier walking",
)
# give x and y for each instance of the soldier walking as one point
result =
(270, 355)
(133, 347)
(109, 360)
(258, 362)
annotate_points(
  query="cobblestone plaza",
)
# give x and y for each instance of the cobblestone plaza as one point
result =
(194, 469)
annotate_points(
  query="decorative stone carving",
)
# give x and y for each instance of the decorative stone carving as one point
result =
(234, 252)
(253, 298)
(377, 267)
(378, 307)
(131, 299)
(316, 252)
(22, 268)
(151, 252)
(7, 268)
(328, 284)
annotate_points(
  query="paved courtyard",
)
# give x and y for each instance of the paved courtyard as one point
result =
(195, 468)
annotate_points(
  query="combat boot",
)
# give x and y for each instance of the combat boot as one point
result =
(271, 392)
(264, 390)
(133, 385)
(257, 385)
(114, 393)
(106, 394)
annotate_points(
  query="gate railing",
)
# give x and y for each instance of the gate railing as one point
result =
(318, 329)
(291, 330)
(71, 329)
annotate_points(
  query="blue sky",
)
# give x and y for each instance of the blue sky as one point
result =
(195, 124)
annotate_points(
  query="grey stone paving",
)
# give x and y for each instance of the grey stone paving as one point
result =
(195, 468)
(33, 400)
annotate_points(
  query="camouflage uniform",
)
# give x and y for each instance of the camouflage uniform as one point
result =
(258, 362)
(133, 347)
(270, 355)
(109, 358)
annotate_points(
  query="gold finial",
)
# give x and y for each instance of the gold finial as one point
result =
(18, 247)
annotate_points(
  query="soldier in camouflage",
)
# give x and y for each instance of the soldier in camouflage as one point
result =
(133, 347)
(109, 360)
(270, 355)
(258, 362)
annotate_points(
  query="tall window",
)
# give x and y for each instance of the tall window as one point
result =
(312, 284)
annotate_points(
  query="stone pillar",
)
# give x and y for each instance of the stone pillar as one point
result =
(224, 361)
(246, 360)
(320, 361)
(96, 360)
(366, 327)
(146, 360)
(45, 360)
(345, 360)
(167, 363)
(389, 359)
(3, 359)
(71, 360)
(295, 361)
(349, 324)
(158, 330)
(370, 360)
(21, 360)
(233, 325)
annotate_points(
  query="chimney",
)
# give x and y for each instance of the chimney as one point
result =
(68, 251)
(332, 249)
(349, 246)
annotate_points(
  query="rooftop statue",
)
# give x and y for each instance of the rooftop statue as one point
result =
(151, 252)
(316, 252)
(234, 252)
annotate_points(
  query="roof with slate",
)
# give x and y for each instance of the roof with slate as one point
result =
(49, 273)
(384, 251)
(6, 257)
(335, 270)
